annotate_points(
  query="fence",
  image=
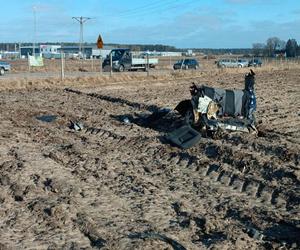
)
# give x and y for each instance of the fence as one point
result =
(89, 67)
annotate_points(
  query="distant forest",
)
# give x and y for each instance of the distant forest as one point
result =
(271, 48)
(136, 47)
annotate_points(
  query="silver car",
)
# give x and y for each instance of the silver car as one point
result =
(232, 63)
(4, 66)
(243, 63)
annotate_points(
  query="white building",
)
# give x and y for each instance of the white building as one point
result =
(96, 53)
(49, 49)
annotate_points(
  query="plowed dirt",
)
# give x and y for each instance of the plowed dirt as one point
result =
(117, 184)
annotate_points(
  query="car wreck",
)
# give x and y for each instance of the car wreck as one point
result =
(211, 110)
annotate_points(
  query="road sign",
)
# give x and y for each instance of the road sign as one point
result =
(100, 42)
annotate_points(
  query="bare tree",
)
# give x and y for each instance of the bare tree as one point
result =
(258, 49)
(273, 44)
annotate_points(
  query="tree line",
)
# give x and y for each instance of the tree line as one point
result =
(274, 46)
(271, 48)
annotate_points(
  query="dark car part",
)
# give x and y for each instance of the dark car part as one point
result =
(184, 137)
(232, 110)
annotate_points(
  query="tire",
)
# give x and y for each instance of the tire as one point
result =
(2, 71)
(189, 117)
(121, 68)
(196, 67)
(240, 66)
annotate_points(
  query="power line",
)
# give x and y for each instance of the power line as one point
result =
(147, 6)
(153, 9)
(81, 21)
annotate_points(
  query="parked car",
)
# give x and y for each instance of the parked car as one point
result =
(186, 64)
(232, 63)
(243, 63)
(256, 62)
(4, 66)
(123, 60)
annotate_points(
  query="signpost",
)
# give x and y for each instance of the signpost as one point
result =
(100, 45)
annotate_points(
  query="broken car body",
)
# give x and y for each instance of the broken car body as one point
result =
(216, 109)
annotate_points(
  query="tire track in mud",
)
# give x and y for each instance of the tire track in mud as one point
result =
(235, 179)
(218, 174)
(256, 193)
(116, 100)
(160, 158)
(214, 176)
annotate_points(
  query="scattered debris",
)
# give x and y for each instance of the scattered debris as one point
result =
(157, 115)
(126, 120)
(77, 126)
(157, 236)
(255, 234)
(47, 118)
(184, 137)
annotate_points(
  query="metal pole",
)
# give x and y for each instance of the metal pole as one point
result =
(34, 33)
(62, 66)
(28, 62)
(110, 64)
(81, 21)
(20, 56)
(81, 37)
(182, 63)
(101, 65)
(148, 64)
(92, 64)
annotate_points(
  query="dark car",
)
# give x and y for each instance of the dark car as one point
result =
(256, 62)
(186, 64)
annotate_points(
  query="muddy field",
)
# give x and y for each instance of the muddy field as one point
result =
(120, 185)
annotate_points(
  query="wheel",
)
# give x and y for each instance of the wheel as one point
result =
(240, 66)
(121, 68)
(189, 117)
(196, 67)
(2, 71)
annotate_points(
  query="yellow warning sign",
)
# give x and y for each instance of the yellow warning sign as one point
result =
(100, 42)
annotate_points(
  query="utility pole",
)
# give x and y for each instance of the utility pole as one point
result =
(34, 30)
(81, 21)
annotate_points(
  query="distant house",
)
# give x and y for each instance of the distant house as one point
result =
(280, 53)
(49, 48)
(74, 51)
(28, 50)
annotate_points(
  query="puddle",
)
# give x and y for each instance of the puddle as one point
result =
(47, 118)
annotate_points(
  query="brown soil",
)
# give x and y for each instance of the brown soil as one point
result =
(118, 185)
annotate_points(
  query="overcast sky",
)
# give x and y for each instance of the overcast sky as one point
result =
(182, 23)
